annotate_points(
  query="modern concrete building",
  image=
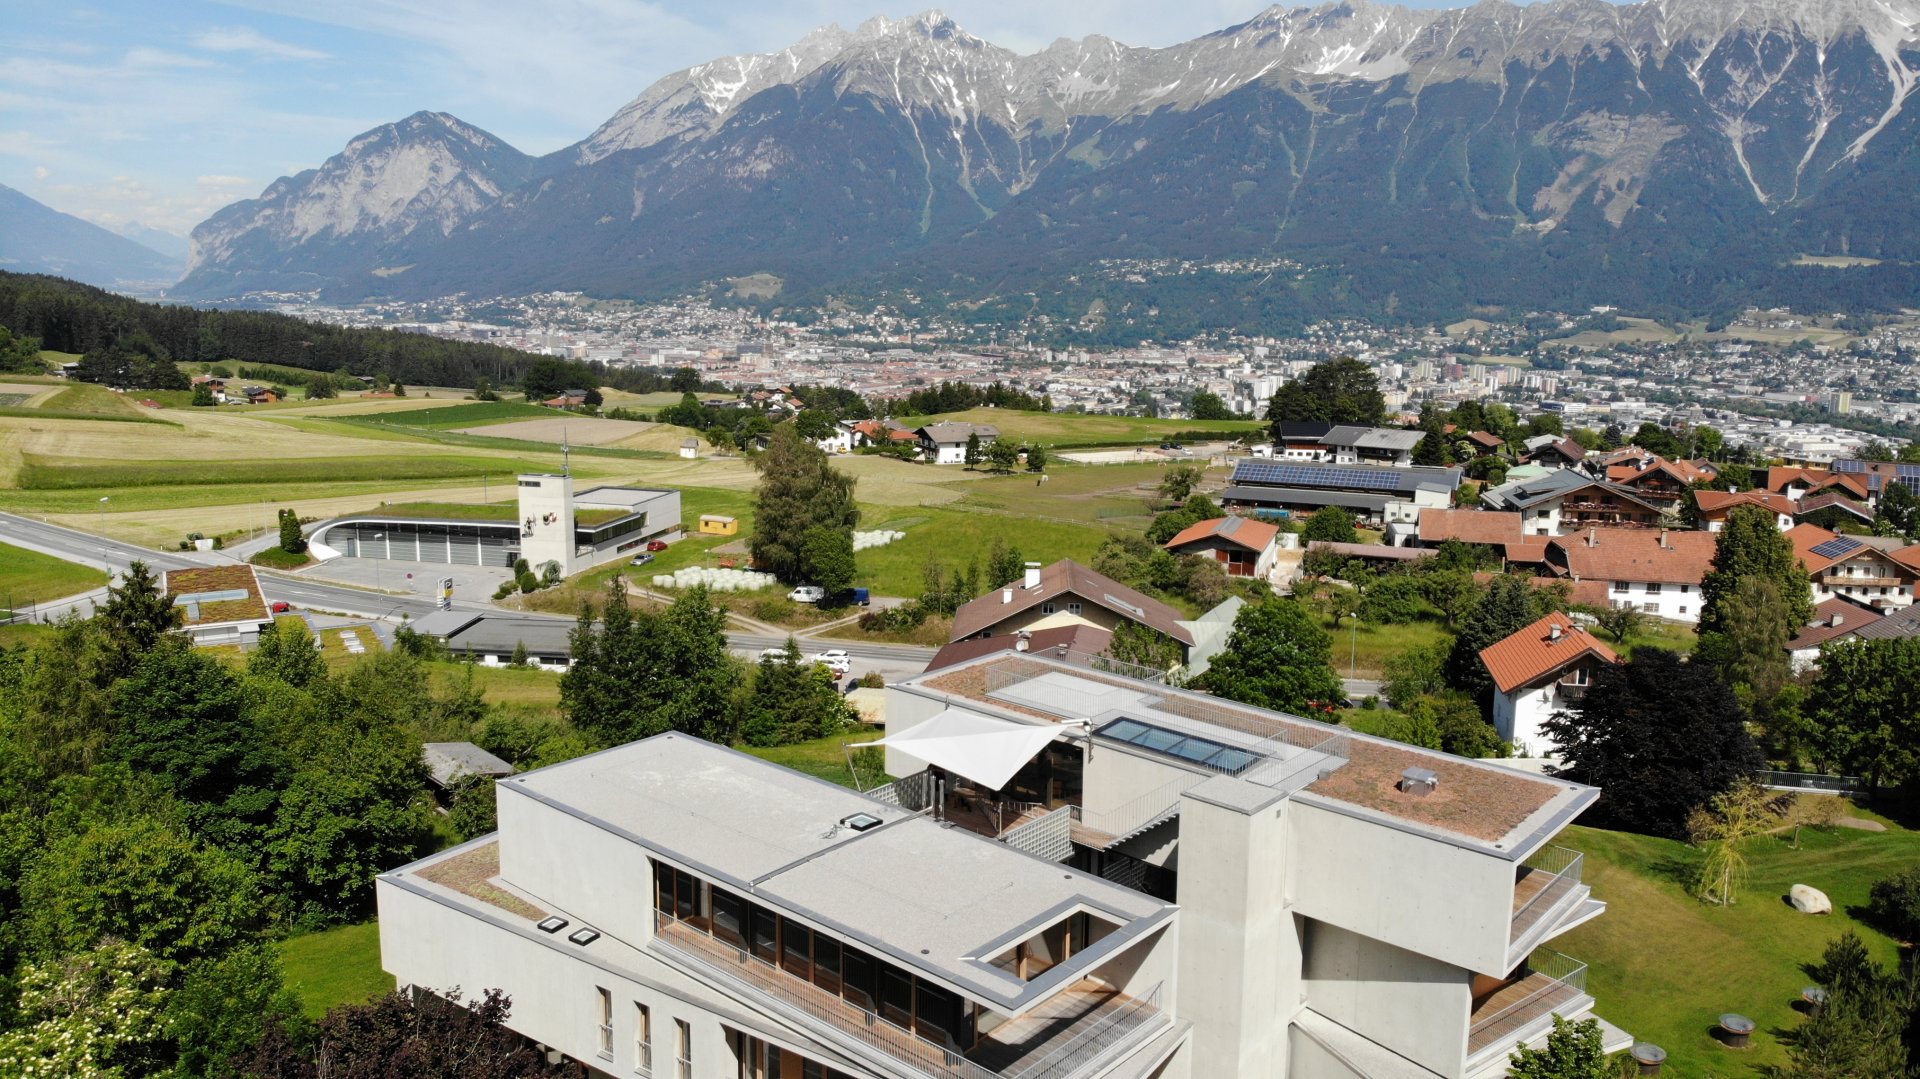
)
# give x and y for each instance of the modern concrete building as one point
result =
(551, 525)
(1081, 876)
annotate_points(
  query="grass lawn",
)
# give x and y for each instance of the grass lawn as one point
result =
(503, 685)
(822, 757)
(469, 414)
(955, 538)
(1664, 965)
(38, 473)
(1361, 650)
(336, 966)
(1115, 494)
(1064, 429)
(29, 577)
(1672, 636)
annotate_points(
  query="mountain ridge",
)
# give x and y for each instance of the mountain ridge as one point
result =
(36, 238)
(909, 152)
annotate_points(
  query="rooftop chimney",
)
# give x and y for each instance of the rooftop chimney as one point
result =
(1006, 595)
(1033, 575)
(1838, 619)
(1593, 537)
(1663, 538)
(1553, 632)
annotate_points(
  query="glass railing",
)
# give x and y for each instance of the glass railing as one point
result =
(1555, 872)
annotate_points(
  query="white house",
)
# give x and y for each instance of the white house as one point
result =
(946, 443)
(1656, 571)
(1081, 875)
(1348, 445)
(1878, 571)
(1539, 670)
(840, 441)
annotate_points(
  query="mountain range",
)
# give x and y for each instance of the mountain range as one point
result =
(36, 238)
(1351, 158)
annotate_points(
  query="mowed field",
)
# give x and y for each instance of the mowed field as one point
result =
(1069, 429)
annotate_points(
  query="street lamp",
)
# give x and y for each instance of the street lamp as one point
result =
(99, 514)
(1353, 645)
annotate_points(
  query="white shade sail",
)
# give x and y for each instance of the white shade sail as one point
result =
(986, 750)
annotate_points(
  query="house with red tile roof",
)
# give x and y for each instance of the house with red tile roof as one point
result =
(1879, 571)
(1538, 671)
(1664, 483)
(1832, 507)
(1657, 571)
(1714, 506)
(1243, 546)
(1067, 593)
(1833, 620)
(1797, 483)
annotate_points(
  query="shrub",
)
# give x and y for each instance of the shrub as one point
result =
(528, 582)
(772, 609)
(1894, 905)
(872, 680)
(506, 589)
(520, 566)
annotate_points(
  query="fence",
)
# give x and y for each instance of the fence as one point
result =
(1563, 866)
(1049, 837)
(1812, 781)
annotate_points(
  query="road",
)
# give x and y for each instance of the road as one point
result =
(893, 661)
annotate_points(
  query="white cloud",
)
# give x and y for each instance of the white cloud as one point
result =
(248, 40)
(41, 172)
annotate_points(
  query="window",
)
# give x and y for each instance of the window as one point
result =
(642, 1039)
(1653, 589)
(1650, 608)
(1048, 608)
(606, 1023)
(1619, 586)
(1074, 607)
(1683, 589)
(683, 1048)
(1683, 610)
(728, 917)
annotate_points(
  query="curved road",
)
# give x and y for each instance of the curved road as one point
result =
(113, 557)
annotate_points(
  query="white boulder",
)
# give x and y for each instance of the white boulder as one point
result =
(1809, 900)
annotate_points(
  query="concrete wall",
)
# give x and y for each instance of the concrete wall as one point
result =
(1409, 890)
(547, 501)
(605, 879)
(1239, 946)
(1311, 1060)
(1414, 1005)
(1112, 778)
(554, 992)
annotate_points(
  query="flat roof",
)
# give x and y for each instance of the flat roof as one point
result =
(1477, 805)
(629, 497)
(930, 896)
(500, 633)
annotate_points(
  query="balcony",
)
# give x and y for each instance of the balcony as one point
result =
(1861, 580)
(1079, 1030)
(1521, 1009)
(1549, 898)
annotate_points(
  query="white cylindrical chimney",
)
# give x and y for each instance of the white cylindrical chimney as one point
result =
(1033, 575)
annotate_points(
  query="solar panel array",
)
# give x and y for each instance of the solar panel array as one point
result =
(1849, 466)
(1281, 474)
(1837, 546)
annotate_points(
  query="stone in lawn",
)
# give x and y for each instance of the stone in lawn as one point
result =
(1809, 900)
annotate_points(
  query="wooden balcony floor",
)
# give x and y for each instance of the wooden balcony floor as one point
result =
(1530, 883)
(1537, 996)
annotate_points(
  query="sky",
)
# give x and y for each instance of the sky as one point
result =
(163, 112)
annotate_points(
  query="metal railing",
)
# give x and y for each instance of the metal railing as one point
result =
(1566, 980)
(1564, 866)
(914, 792)
(1049, 837)
(643, 1058)
(1130, 818)
(1811, 781)
(924, 1058)
(1099, 1038)
(605, 1051)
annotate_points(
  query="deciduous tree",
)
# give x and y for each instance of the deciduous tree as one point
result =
(1659, 736)
(1277, 656)
(1573, 1051)
(1330, 524)
(1865, 708)
(1342, 390)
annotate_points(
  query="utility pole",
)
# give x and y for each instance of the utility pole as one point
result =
(1353, 645)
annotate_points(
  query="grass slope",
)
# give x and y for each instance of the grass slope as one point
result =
(1665, 966)
(336, 966)
(29, 577)
(39, 473)
(471, 414)
(1075, 429)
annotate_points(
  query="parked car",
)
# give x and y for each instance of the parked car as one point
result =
(840, 668)
(656, 545)
(859, 597)
(281, 606)
(807, 593)
(641, 559)
(775, 654)
(833, 655)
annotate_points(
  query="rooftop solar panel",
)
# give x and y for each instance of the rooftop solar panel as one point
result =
(1849, 466)
(1837, 546)
(1277, 473)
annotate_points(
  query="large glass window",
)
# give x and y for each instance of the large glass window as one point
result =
(729, 917)
(766, 934)
(796, 949)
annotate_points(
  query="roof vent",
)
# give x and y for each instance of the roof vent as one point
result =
(584, 936)
(1022, 641)
(553, 924)
(1419, 782)
(860, 822)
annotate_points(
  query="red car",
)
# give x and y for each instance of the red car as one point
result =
(281, 606)
(656, 545)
